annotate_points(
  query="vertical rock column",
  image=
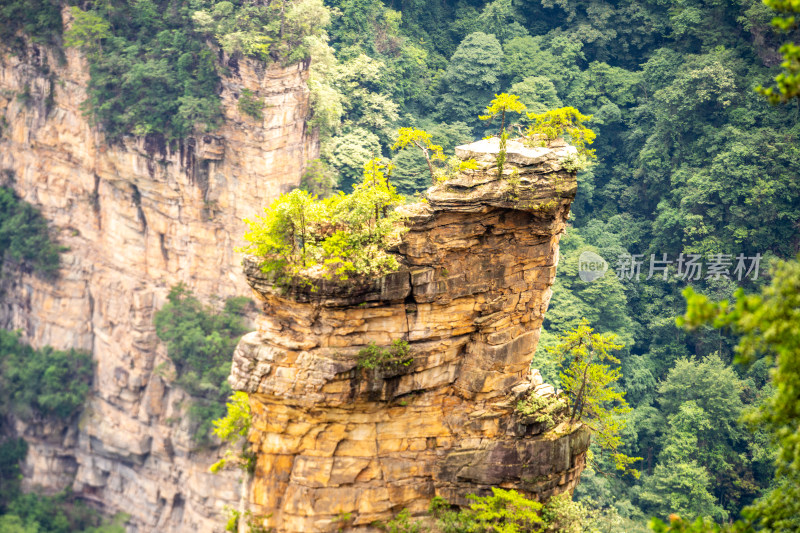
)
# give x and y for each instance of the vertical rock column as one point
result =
(478, 262)
(137, 216)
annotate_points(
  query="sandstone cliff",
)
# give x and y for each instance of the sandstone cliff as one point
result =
(137, 217)
(477, 265)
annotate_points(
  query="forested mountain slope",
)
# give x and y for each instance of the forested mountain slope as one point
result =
(691, 160)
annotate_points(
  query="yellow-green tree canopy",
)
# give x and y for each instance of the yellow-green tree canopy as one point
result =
(502, 104)
(302, 236)
(592, 387)
(422, 140)
(566, 120)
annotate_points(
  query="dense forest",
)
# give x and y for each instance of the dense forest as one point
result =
(692, 162)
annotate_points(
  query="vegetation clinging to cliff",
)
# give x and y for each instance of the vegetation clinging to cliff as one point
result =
(344, 235)
(374, 357)
(24, 235)
(40, 19)
(233, 429)
(200, 342)
(592, 388)
(152, 70)
(41, 383)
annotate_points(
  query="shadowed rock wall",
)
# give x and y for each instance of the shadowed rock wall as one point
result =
(478, 262)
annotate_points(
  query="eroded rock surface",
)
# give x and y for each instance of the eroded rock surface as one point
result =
(138, 217)
(477, 265)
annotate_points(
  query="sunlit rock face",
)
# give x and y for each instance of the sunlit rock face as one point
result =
(477, 265)
(137, 217)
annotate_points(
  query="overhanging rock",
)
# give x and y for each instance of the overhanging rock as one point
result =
(477, 265)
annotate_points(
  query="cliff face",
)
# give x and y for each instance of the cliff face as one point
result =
(138, 217)
(330, 437)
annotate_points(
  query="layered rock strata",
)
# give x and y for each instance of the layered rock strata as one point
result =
(477, 261)
(137, 217)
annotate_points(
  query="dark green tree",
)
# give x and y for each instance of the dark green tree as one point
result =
(472, 77)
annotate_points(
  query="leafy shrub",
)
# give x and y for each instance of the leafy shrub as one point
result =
(233, 429)
(24, 235)
(12, 451)
(200, 342)
(40, 19)
(250, 520)
(62, 513)
(300, 236)
(503, 510)
(46, 382)
(251, 105)
(402, 523)
(557, 122)
(542, 409)
(374, 357)
(510, 512)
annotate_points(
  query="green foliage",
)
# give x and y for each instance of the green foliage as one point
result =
(348, 153)
(566, 120)
(505, 511)
(537, 93)
(590, 386)
(200, 343)
(62, 513)
(541, 409)
(768, 327)
(87, 31)
(402, 523)
(374, 357)
(422, 140)
(24, 235)
(700, 525)
(41, 383)
(680, 486)
(412, 172)
(233, 429)
(502, 104)
(346, 234)
(152, 72)
(472, 76)
(274, 31)
(344, 519)
(39, 19)
(12, 453)
(787, 83)
(251, 105)
(318, 179)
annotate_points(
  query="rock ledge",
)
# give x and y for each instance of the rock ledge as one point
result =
(478, 262)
